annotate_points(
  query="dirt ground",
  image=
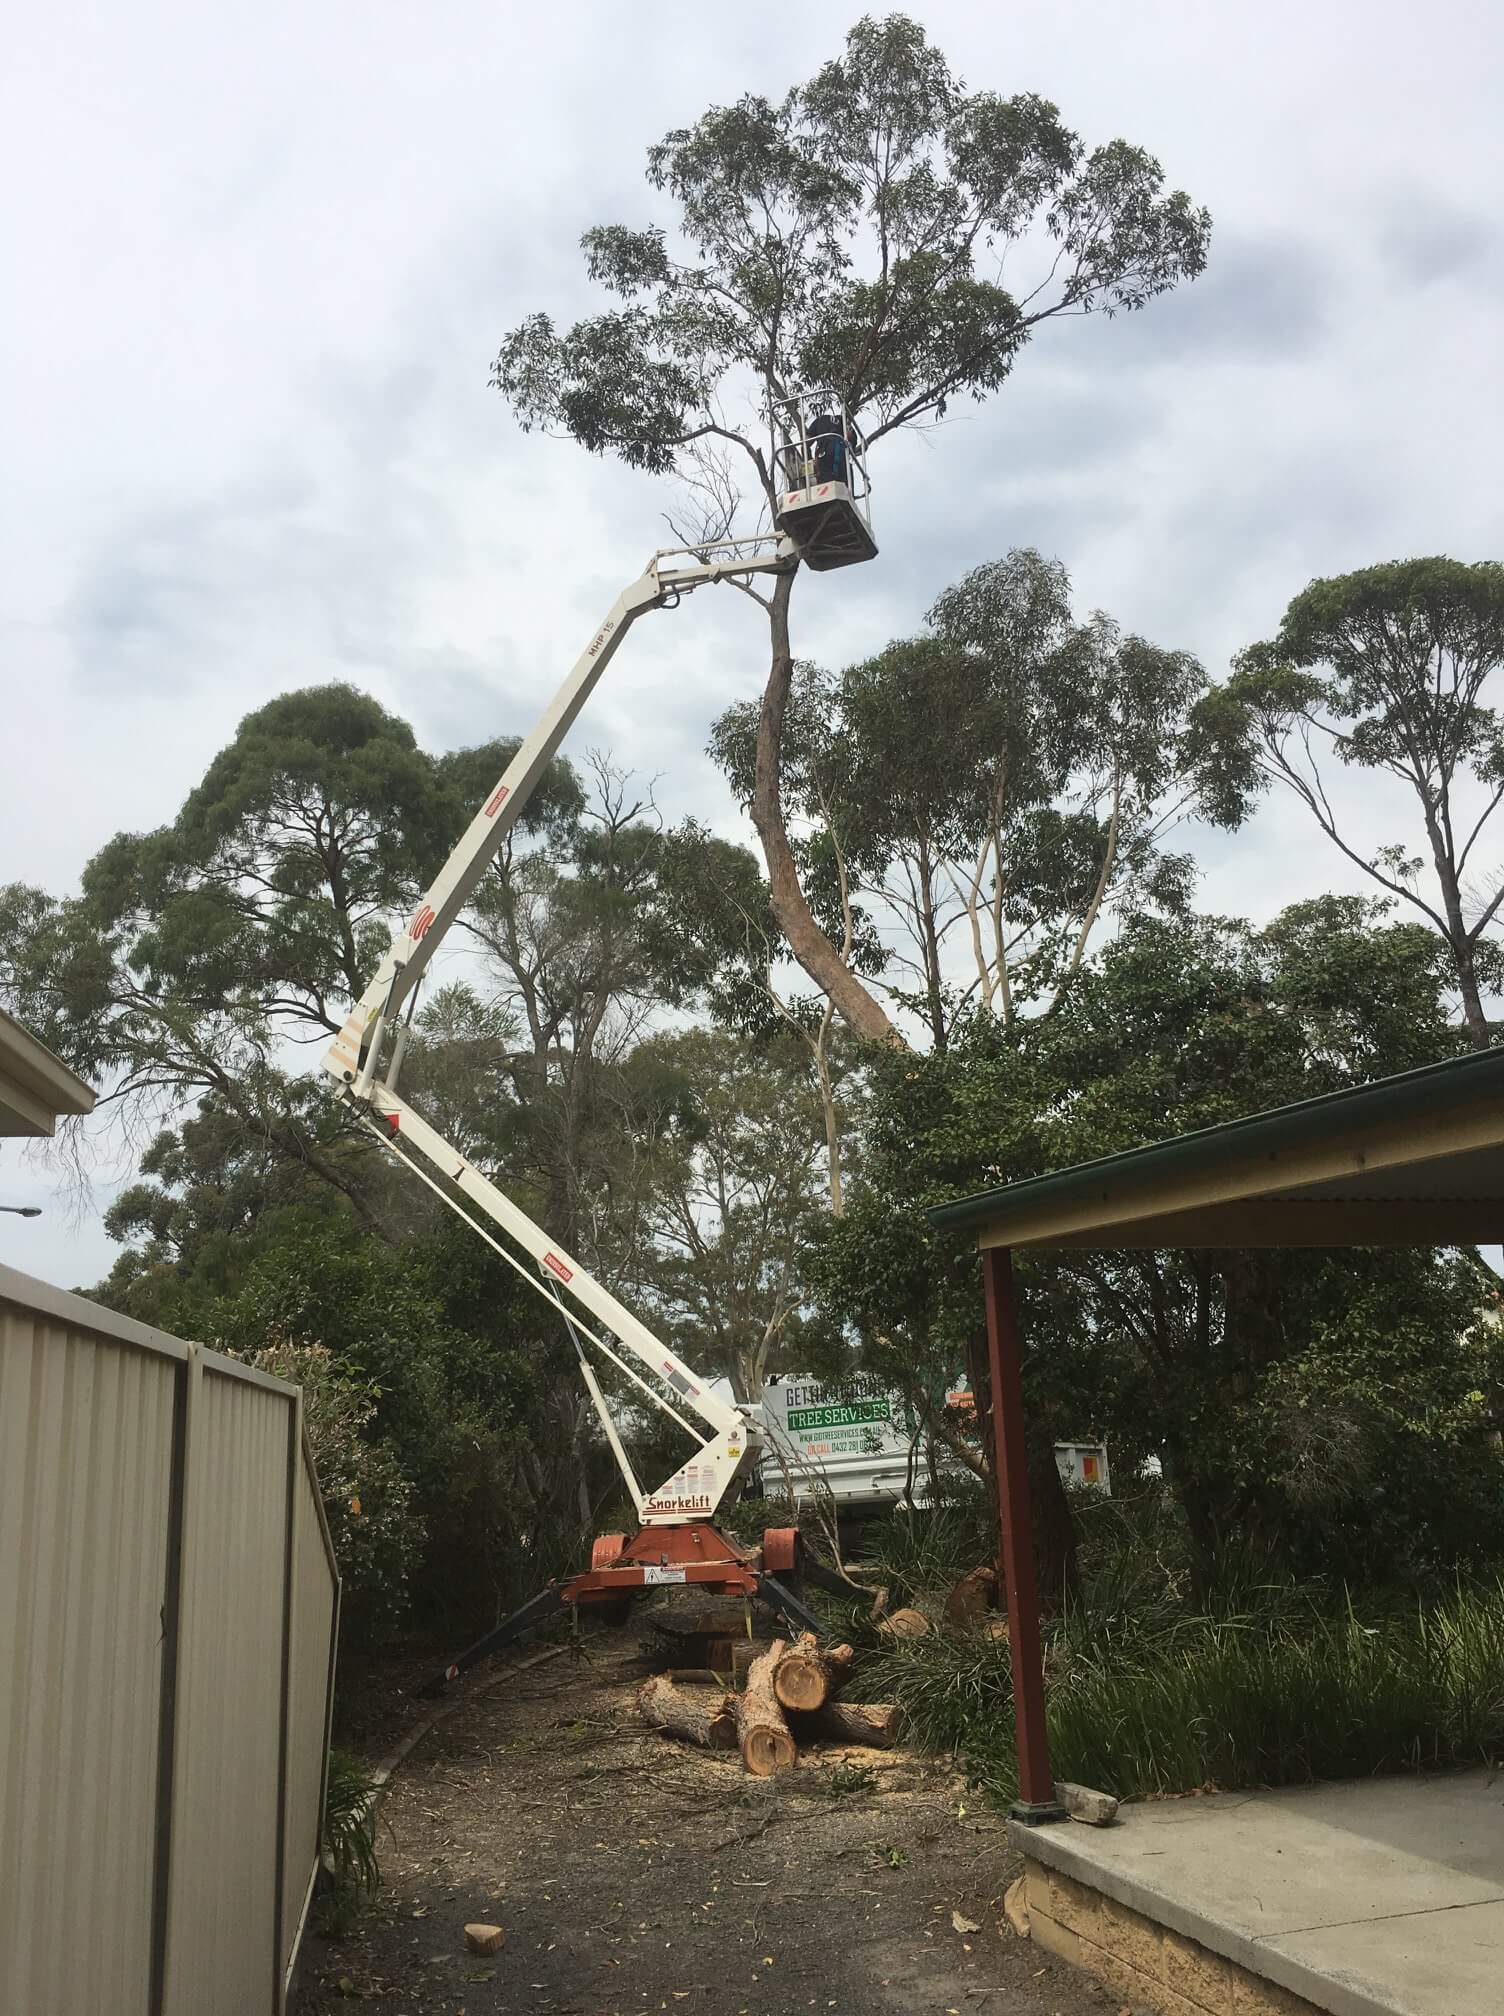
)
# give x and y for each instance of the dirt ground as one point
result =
(632, 1873)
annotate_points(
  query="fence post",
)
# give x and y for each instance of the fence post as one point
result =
(179, 1538)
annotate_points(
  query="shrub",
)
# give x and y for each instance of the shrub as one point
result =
(1284, 1697)
(377, 1535)
(349, 1845)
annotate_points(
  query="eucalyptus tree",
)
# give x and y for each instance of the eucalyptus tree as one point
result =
(1384, 670)
(850, 235)
(1009, 773)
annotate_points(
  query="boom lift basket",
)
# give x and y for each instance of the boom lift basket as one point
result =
(824, 498)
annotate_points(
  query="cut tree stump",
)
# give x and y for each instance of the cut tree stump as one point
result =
(699, 1714)
(905, 1624)
(874, 1723)
(766, 1744)
(806, 1677)
(485, 1938)
(971, 1599)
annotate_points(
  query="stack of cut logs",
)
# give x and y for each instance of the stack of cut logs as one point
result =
(783, 1698)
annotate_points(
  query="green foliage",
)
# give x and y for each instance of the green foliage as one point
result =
(921, 1553)
(1264, 1681)
(368, 1501)
(349, 1843)
(848, 235)
(732, 1150)
(1384, 669)
(1213, 1365)
(847, 1777)
(1007, 777)
(1238, 1703)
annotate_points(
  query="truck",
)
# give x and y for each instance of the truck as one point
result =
(861, 1443)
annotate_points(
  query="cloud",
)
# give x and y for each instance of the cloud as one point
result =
(1262, 300)
(262, 266)
(1424, 238)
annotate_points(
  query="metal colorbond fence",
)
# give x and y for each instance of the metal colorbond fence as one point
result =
(169, 1606)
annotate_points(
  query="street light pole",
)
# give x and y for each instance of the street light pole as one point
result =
(23, 1210)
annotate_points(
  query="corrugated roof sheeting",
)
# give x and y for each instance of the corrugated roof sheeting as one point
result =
(86, 1428)
(148, 1591)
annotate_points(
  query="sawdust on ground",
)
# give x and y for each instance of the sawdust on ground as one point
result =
(633, 1873)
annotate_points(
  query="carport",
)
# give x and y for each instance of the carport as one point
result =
(1365, 1899)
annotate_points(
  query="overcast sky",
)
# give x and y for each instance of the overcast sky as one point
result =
(258, 259)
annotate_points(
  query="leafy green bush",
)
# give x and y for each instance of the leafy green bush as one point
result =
(927, 1552)
(368, 1502)
(1284, 1697)
(349, 1845)
(1249, 1702)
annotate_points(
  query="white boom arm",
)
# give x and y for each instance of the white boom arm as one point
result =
(354, 1058)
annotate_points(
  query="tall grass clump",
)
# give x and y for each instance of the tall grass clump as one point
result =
(927, 1550)
(352, 1872)
(1238, 1701)
(1183, 1700)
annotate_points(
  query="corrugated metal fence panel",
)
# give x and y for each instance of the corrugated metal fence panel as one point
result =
(222, 1903)
(86, 1443)
(308, 1691)
(157, 1624)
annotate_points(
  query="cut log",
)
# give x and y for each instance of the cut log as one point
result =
(806, 1676)
(973, 1596)
(767, 1747)
(699, 1714)
(1092, 1809)
(905, 1624)
(745, 1652)
(702, 1619)
(874, 1723)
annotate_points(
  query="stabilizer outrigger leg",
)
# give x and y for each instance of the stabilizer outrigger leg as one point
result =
(537, 1610)
(695, 1555)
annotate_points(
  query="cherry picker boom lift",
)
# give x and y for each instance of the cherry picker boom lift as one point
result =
(822, 518)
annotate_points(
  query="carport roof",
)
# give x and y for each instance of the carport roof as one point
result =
(35, 1087)
(1413, 1160)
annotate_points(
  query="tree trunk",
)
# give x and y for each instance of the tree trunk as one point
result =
(700, 1715)
(1459, 943)
(1472, 1000)
(767, 1747)
(809, 944)
(805, 1677)
(874, 1723)
(932, 991)
(1054, 1527)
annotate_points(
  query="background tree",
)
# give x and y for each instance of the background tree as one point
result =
(1385, 670)
(848, 237)
(1011, 773)
(731, 1176)
(1209, 1360)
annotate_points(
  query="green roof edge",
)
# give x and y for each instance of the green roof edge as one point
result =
(1430, 1087)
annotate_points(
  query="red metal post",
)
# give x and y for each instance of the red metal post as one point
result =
(1036, 1782)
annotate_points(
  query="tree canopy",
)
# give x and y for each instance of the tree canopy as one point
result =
(849, 237)
(1385, 670)
(1008, 775)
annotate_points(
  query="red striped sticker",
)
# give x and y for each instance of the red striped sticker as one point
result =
(497, 799)
(422, 919)
(556, 1266)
